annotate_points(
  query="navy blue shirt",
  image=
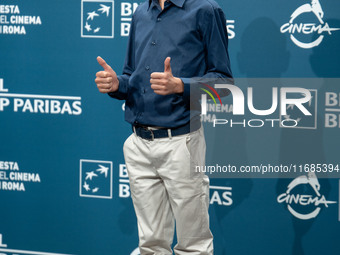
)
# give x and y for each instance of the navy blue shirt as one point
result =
(193, 33)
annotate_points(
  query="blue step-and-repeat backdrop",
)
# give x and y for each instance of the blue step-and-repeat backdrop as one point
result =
(63, 183)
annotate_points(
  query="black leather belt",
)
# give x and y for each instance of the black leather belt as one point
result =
(150, 134)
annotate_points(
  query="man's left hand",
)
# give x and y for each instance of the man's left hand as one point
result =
(165, 83)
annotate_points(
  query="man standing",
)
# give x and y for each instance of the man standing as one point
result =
(170, 42)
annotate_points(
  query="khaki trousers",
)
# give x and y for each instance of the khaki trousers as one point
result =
(165, 190)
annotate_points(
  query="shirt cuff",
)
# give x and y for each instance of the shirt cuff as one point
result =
(186, 92)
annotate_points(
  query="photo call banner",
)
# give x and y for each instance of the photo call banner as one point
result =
(273, 144)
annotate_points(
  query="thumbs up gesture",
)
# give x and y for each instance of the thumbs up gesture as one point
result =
(165, 83)
(106, 80)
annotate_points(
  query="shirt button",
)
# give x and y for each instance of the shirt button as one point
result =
(159, 19)
(143, 90)
(147, 68)
(153, 43)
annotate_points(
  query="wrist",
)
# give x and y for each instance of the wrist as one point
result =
(115, 87)
(179, 86)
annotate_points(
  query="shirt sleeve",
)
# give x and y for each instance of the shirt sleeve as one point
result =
(129, 67)
(212, 26)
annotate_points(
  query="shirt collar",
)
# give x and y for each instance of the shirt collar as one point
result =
(178, 3)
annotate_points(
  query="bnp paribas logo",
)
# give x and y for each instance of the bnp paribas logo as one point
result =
(6, 250)
(97, 18)
(95, 178)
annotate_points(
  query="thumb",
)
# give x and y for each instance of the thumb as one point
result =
(167, 66)
(102, 62)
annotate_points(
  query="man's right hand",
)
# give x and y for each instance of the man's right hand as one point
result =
(106, 80)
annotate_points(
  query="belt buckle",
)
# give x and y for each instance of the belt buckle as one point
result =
(151, 132)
